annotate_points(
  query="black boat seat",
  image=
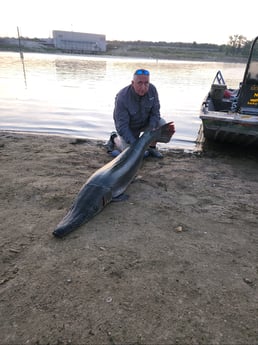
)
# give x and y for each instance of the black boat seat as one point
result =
(217, 91)
(221, 105)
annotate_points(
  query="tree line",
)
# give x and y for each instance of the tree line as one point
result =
(238, 45)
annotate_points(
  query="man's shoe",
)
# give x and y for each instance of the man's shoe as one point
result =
(146, 154)
(154, 153)
(110, 143)
(115, 153)
(109, 146)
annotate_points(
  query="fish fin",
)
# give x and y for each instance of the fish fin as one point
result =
(121, 197)
(166, 132)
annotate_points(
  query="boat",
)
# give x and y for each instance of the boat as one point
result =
(231, 115)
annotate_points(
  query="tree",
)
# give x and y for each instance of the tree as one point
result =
(237, 41)
(236, 44)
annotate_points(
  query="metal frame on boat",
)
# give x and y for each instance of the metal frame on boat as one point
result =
(231, 115)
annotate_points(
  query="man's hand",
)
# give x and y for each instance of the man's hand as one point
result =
(172, 127)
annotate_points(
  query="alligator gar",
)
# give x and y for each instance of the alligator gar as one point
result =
(110, 181)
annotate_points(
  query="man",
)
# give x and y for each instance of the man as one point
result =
(137, 109)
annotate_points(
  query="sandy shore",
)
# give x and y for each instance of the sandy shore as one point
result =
(174, 264)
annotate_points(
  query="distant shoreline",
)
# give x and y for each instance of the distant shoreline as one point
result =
(148, 50)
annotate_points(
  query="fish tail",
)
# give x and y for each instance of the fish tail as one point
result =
(165, 132)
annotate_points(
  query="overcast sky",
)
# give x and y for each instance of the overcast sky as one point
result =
(202, 21)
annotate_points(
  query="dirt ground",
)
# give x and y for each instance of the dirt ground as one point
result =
(177, 263)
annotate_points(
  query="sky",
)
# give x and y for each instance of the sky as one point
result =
(200, 21)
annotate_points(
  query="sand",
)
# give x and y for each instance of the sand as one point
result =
(174, 264)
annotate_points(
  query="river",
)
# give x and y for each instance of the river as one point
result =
(73, 95)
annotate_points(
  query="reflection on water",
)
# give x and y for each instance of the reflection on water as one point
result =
(74, 95)
(79, 70)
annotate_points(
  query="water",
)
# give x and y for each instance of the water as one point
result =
(74, 95)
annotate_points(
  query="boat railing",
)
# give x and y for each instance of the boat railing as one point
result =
(219, 79)
(218, 87)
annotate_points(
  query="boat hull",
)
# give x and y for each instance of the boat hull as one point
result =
(244, 133)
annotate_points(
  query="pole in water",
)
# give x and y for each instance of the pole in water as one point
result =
(22, 59)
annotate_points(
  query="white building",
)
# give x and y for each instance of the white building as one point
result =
(79, 42)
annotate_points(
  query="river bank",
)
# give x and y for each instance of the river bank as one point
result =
(137, 49)
(176, 263)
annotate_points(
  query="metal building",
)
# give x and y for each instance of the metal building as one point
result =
(78, 42)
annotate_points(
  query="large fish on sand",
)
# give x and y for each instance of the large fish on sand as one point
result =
(110, 181)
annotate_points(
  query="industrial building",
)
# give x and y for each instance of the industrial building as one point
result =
(78, 42)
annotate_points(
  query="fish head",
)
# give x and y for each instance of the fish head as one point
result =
(90, 200)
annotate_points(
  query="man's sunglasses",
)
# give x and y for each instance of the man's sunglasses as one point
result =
(141, 72)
